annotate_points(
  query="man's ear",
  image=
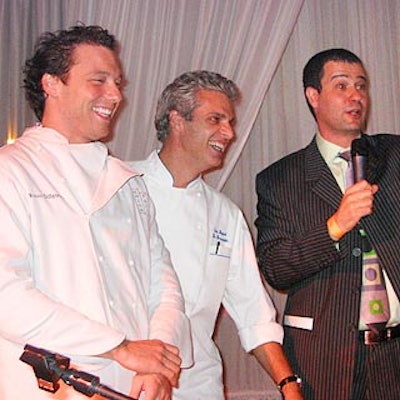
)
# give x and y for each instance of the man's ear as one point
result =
(312, 95)
(176, 121)
(50, 84)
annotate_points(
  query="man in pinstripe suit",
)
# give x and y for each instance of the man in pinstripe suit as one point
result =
(309, 241)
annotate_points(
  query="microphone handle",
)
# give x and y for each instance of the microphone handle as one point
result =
(109, 393)
(358, 167)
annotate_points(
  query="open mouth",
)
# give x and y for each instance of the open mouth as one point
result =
(217, 146)
(103, 112)
(355, 113)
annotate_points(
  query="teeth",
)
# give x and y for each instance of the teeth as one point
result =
(217, 146)
(106, 112)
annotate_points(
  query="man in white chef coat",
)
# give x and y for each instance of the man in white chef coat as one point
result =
(83, 271)
(210, 244)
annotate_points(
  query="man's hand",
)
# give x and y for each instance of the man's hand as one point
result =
(155, 386)
(149, 357)
(292, 391)
(357, 202)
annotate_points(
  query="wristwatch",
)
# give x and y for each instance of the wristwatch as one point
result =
(291, 378)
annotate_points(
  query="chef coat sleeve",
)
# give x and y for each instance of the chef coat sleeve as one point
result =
(245, 298)
(27, 315)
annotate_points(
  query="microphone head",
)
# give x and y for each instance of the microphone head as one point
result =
(359, 146)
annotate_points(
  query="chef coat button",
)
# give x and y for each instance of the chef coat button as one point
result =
(356, 252)
(101, 259)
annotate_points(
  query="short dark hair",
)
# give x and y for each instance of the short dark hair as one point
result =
(53, 55)
(180, 95)
(314, 69)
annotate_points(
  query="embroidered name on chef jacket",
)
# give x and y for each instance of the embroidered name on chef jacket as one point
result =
(220, 245)
(45, 196)
(141, 199)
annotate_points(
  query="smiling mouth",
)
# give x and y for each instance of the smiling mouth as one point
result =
(217, 146)
(103, 112)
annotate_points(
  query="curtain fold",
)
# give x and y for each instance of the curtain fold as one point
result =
(270, 29)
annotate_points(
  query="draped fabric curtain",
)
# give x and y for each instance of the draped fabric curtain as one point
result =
(242, 39)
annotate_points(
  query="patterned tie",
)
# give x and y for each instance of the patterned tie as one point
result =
(375, 311)
(349, 177)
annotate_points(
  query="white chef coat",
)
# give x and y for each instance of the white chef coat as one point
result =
(213, 254)
(81, 267)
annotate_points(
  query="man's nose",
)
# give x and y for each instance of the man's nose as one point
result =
(228, 131)
(114, 93)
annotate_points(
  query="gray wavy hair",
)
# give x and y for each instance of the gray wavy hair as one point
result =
(180, 95)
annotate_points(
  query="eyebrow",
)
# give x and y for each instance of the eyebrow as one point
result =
(333, 77)
(218, 114)
(102, 72)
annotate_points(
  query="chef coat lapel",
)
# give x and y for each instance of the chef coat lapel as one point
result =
(115, 175)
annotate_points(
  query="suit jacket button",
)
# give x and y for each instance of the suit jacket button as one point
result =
(356, 252)
(356, 290)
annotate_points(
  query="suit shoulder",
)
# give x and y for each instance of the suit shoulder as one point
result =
(384, 144)
(381, 139)
(292, 161)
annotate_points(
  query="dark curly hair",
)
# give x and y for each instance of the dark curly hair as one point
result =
(53, 55)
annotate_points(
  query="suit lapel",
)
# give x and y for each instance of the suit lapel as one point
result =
(319, 177)
(376, 162)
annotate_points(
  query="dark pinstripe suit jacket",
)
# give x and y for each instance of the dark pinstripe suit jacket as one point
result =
(296, 196)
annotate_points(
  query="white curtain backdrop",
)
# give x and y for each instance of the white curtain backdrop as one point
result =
(242, 39)
(261, 44)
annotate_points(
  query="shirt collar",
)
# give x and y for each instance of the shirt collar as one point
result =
(165, 176)
(329, 151)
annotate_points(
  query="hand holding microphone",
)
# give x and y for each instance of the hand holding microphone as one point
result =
(357, 201)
